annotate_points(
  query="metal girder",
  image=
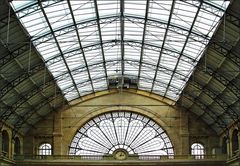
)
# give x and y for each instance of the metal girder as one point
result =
(21, 117)
(227, 83)
(29, 9)
(130, 61)
(25, 98)
(58, 46)
(100, 38)
(134, 19)
(19, 123)
(216, 99)
(158, 82)
(143, 39)
(226, 52)
(13, 54)
(183, 48)
(163, 43)
(213, 9)
(112, 43)
(22, 77)
(122, 7)
(80, 69)
(232, 19)
(81, 48)
(205, 109)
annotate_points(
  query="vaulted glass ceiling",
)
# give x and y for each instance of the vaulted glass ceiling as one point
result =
(86, 43)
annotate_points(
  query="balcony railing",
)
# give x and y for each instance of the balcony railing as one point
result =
(110, 157)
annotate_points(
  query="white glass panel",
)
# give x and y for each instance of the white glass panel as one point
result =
(112, 53)
(150, 56)
(68, 41)
(89, 35)
(180, 24)
(58, 14)
(131, 68)
(160, 10)
(133, 31)
(20, 4)
(83, 10)
(110, 7)
(35, 23)
(135, 7)
(132, 53)
(183, 14)
(75, 62)
(100, 84)
(154, 35)
(120, 130)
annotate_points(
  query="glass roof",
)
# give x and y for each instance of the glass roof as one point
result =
(85, 43)
(109, 132)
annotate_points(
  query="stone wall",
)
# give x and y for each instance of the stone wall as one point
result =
(181, 126)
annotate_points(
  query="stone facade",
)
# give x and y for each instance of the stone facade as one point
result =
(58, 128)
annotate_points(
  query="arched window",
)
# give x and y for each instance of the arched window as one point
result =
(224, 145)
(234, 141)
(17, 146)
(121, 131)
(45, 149)
(5, 143)
(197, 150)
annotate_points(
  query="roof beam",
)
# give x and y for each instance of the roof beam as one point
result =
(59, 48)
(100, 38)
(122, 35)
(143, 39)
(80, 45)
(163, 43)
(131, 18)
(186, 41)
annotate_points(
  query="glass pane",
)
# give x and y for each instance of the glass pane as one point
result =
(110, 132)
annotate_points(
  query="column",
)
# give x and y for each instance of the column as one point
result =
(12, 153)
(184, 133)
(1, 139)
(238, 141)
(57, 134)
(228, 147)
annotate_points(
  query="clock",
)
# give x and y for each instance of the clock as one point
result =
(120, 154)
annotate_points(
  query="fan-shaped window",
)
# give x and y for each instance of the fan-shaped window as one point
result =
(224, 145)
(197, 150)
(131, 132)
(5, 143)
(235, 141)
(45, 149)
(17, 146)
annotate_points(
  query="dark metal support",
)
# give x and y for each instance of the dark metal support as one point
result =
(181, 54)
(143, 39)
(59, 48)
(122, 36)
(163, 43)
(81, 48)
(100, 38)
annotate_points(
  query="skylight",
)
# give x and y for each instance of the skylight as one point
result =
(84, 43)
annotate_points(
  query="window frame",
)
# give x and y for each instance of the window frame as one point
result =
(45, 149)
(198, 150)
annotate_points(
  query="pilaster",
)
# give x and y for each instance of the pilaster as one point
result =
(184, 133)
(57, 134)
(1, 140)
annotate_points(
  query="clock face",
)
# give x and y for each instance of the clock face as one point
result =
(120, 154)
